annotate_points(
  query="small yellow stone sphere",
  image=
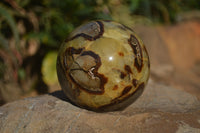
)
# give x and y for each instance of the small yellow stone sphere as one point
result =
(103, 66)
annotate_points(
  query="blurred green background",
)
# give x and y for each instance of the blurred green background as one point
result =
(31, 32)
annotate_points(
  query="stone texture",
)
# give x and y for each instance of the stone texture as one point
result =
(160, 109)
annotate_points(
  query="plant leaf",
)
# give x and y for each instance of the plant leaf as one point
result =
(4, 12)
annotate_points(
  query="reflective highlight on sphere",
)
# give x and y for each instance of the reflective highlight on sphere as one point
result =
(103, 66)
(110, 58)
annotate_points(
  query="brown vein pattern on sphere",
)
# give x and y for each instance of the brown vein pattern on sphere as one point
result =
(103, 66)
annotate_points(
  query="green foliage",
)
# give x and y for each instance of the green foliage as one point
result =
(2, 70)
(57, 18)
(7, 16)
(162, 10)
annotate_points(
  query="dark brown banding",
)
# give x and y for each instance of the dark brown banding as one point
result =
(122, 75)
(102, 77)
(135, 82)
(121, 54)
(126, 90)
(137, 65)
(88, 37)
(127, 28)
(69, 55)
(141, 86)
(127, 68)
(125, 102)
(128, 71)
(147, 56)
(134, 43)
(148, 64)
(115, 87)
(123, 27)
(95, 56)
(101, 29)
(70, 52)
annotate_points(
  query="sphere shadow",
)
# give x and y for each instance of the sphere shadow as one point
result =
(60, 95)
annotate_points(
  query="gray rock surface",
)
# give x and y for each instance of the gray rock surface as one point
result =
(161, 108)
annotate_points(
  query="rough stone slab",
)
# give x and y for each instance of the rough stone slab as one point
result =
(160, 109)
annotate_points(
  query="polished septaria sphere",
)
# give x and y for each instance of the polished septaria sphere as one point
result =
(103, 66)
